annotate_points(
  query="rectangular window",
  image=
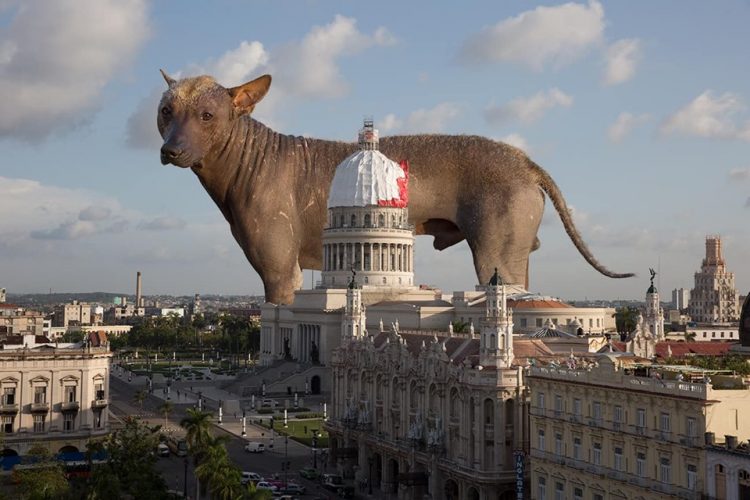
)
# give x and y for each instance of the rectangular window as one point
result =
(665, 470)
(640, 426)
(540, 402)
(99, 390)
(596, 413)
(577, 448)
(640, 464)
(559, 491)
(540, 440)
(618, 418)
(68, 422)
(596, 455)
(539, 322)
(664, 425)
(7, 424)
(577, 410)
(541, 489)
(558, 406)
(558, 444)
(70, 394)
(39, 423)
(619, 464)
(577, 493)
(691, 427)
(598, 496)
(40, 395)
(523, 322)
(98, 419)
(9, 396)
(692, 477)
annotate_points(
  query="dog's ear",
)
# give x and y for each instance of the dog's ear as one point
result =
(247, 95)
(170, 81)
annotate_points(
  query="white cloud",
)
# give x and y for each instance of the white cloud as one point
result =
(516, 140)
(237, 66)
(163, 223)
(528, 109)
(94, 213)
(389, 122)
(66, 231)
(57, 56)
(309, 68)
(740, 174)
(534, 38)
(434, 119)
(709, 116)
(624, 124)
(621, 58)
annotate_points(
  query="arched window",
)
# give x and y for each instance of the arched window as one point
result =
(354, 220)
(381, 220)
(342, 221)
(367, 220)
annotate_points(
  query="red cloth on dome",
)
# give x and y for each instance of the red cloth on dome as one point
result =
(403, 190)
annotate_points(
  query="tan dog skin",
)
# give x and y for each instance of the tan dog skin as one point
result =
(273, 188)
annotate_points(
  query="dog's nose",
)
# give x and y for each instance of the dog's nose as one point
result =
(169, 151)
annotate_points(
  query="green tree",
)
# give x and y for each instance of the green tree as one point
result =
(44, 478)
(460, 326)
(129, 471)
(197, 424)
(139, 397)
(689, 336)
(626, 319)
(165, 409)
(72, 336)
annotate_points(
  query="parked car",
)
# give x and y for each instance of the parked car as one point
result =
(309, 473)
(255, 447)
(293, 488)
(331, 481)
(162, 450)
(250, 477)
(265, 485)
(268, 402)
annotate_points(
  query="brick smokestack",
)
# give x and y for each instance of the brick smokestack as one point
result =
(138, 299)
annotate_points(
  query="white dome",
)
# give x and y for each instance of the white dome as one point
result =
(368, 177)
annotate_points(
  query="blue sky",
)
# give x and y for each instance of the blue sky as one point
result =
(637, 109)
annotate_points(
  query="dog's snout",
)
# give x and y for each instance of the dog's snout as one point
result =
(171, 152)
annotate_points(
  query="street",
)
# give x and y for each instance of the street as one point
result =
(267, 464)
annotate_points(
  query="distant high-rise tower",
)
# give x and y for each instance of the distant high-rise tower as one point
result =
(714, 299)
(496, 336)
(654, 317)
(681, 298)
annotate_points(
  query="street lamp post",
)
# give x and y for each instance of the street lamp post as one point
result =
(371, 461)
(184, 486)
(314, 448)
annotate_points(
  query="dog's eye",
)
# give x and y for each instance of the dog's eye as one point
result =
(166, 111)
(206, 116)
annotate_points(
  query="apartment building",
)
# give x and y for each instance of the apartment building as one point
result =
(610, 427)
(73, 314)
(53, 394)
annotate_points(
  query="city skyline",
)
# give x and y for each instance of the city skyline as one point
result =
(650, 152)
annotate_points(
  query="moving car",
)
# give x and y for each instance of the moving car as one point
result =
(293, 488)
(162, 450)
(255, 447)
(268, 402)
(265, 485)
(179, 448)
(332, 481)
(309, 473)
(250, 477)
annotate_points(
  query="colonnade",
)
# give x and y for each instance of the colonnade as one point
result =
(389, 257)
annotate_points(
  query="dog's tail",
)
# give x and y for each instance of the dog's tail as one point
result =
(558, 201)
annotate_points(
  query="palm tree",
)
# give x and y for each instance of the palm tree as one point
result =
(166, 408)
(197, 424)
(217, 471)
(140, 397)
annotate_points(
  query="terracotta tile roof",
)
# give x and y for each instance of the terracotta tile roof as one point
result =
(97, 339)
(680, 349)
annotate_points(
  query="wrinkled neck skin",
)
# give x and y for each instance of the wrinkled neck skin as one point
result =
(227, 159)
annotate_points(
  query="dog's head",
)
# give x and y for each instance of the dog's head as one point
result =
(195, 113)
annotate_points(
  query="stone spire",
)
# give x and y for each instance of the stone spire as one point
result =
(353, 324)
(496, 336)
(654, 317)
